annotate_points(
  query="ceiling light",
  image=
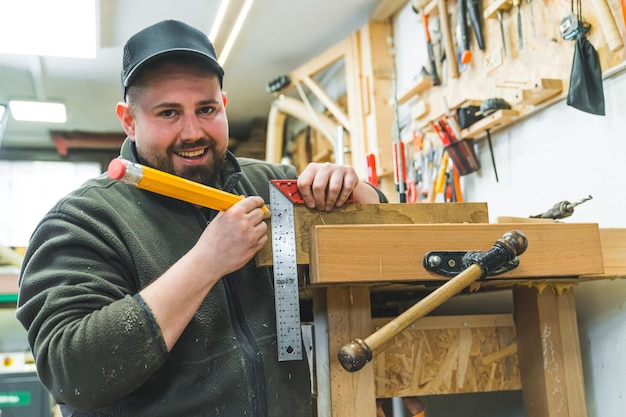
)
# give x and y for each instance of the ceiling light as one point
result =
(235, 32)
(38, 111)
(219, 19)
(43, 27)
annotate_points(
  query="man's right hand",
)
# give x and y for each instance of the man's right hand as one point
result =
(233, 237)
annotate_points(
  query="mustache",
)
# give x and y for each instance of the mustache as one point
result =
(200, 143)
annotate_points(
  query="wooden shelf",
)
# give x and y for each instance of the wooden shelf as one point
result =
(499, 118)
(423, 83)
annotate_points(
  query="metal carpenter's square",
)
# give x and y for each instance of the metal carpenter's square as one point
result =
(285, 271)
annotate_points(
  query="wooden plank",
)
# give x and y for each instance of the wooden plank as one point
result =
(377, 73)
(549, 353)
(394, 213)
(322, 61)
(352, 394)
(449, 354)
(387, 253)
(614, 252)
(330, 105)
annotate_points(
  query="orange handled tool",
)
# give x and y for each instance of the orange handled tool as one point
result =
(169, 185)
(372, 173)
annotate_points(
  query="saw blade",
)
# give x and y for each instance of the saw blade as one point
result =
(285, 277)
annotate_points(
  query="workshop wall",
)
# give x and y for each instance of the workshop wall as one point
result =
(564, 154)
(557, 153)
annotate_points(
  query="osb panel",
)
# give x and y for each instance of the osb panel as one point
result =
(449, 360)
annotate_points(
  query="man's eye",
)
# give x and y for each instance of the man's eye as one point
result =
(167, 113)
(206, 110)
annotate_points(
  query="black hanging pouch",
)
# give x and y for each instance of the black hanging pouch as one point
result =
(586, 92)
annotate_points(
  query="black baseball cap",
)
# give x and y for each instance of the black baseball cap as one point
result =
(160, 39)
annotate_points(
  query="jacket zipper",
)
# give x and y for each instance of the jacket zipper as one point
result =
(252, 355)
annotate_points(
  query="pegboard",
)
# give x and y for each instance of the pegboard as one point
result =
(525, 77)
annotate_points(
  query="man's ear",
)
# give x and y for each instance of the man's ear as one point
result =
(128, 122)
(224, 98)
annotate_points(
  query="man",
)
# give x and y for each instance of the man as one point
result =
(137, 304)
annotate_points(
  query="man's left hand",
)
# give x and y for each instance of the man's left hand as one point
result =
(326, 186)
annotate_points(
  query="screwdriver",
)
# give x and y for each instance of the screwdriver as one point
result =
(560, 210)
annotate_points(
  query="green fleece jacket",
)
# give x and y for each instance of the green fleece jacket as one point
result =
(97, 346)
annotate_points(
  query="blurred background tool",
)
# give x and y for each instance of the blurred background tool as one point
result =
(431, 52)
(372, 173)
(417, 6)
(448, 43)
(606, 21)
(399, 169)
(473, 10)
(495, 9)
(560, 210)
(493, 159)
(520, 33)
(463, 49)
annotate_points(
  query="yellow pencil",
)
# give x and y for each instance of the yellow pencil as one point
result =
(160, 182)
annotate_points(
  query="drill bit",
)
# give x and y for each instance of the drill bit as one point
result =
(560, 210)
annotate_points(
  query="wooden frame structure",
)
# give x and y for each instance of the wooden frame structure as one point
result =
(367, 65)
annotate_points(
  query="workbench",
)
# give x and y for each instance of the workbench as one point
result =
(361, 249)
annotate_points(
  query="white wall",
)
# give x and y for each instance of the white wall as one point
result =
(563, 154)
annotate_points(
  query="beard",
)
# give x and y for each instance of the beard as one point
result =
(207, 174)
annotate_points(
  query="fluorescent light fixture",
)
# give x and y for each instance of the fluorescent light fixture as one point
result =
(38, 111)
(219, 19)
(49, 28)
(235, 32)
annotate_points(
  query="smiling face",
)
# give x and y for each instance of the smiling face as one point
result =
(175, 114)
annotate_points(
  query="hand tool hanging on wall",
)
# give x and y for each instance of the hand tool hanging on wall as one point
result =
(399, 169)
(431, 51)
(464, 54)
(495, 9)
(475, 15)
(399, 163)
(560, 210)
(493, 159)
(502, 35)
(447, 39)
(477, 265)
(372, 173)
(520, 33)
(606, 21)
(429, 45)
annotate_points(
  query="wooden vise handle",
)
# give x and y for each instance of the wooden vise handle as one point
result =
(357, 353)
(606, 21)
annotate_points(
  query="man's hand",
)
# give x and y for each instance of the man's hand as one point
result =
(325, 186)
(234, 236)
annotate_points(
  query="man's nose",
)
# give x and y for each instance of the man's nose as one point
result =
(190, 127)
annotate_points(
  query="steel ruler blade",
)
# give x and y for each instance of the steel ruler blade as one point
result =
(285, 277)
